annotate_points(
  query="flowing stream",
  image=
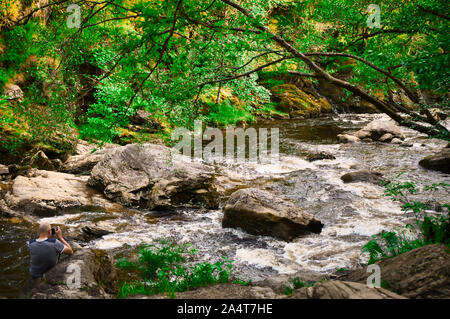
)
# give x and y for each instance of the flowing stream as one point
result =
(351, 213)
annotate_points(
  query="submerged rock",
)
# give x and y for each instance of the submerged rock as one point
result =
(98, 278)
(262, 213)
(364, 176)
(45, 193)
(438, 162)
(343, 290)
(420, 273)
(320, 156)
(148, 176)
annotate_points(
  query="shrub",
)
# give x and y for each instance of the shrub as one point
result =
(163, 269)
(428, 229)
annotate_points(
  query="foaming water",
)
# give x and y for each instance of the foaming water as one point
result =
(351, 213)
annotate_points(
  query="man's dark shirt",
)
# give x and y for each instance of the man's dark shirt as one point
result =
(44, 255)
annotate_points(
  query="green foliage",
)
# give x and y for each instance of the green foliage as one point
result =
(163, 269)
(227, 114)
(296, 283)
(162, 56)
(429, 229)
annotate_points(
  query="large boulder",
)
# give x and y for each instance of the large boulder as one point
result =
(98, 278)
(438, 162)
(343, 290)
(85, 157)
(147, 175)
(260, 212)
(420, 273)
(383, 130)
(45, 193)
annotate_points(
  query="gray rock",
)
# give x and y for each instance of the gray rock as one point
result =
(222, 291)
(41, 161)
(386, 138)
(363, 176)
(379, 128)
(320, 156)
(148, 176)
(98, 278)
(346, 138)
(438, 162)
(278, 283)
(4, 170)
(86, 157)
(420, 273)
(260, 212)
(343, 290)
(45, 193)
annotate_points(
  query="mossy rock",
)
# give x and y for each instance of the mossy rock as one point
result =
(290, 99)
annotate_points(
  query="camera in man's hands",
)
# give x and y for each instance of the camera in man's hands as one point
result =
(54, 229)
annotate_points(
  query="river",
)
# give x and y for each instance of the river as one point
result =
(351, 213)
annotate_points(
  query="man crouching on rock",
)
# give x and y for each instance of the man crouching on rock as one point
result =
(44, 253)
(45, 250)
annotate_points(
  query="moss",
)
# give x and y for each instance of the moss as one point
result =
(297, 102)
(19, 139)
(140, 137)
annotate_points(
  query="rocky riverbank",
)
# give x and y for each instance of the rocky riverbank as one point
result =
(127, 195)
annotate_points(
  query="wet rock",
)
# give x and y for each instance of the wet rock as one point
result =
(88, 233)
(420, 273)
(13, 92)
(46, 193)
(346, 138)
(378, 129)
(260, 212)
(343, 290)
(438, 162)
(98, 278)
(148, 176)
(386, 138)
(320, 156)
(364, 176)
